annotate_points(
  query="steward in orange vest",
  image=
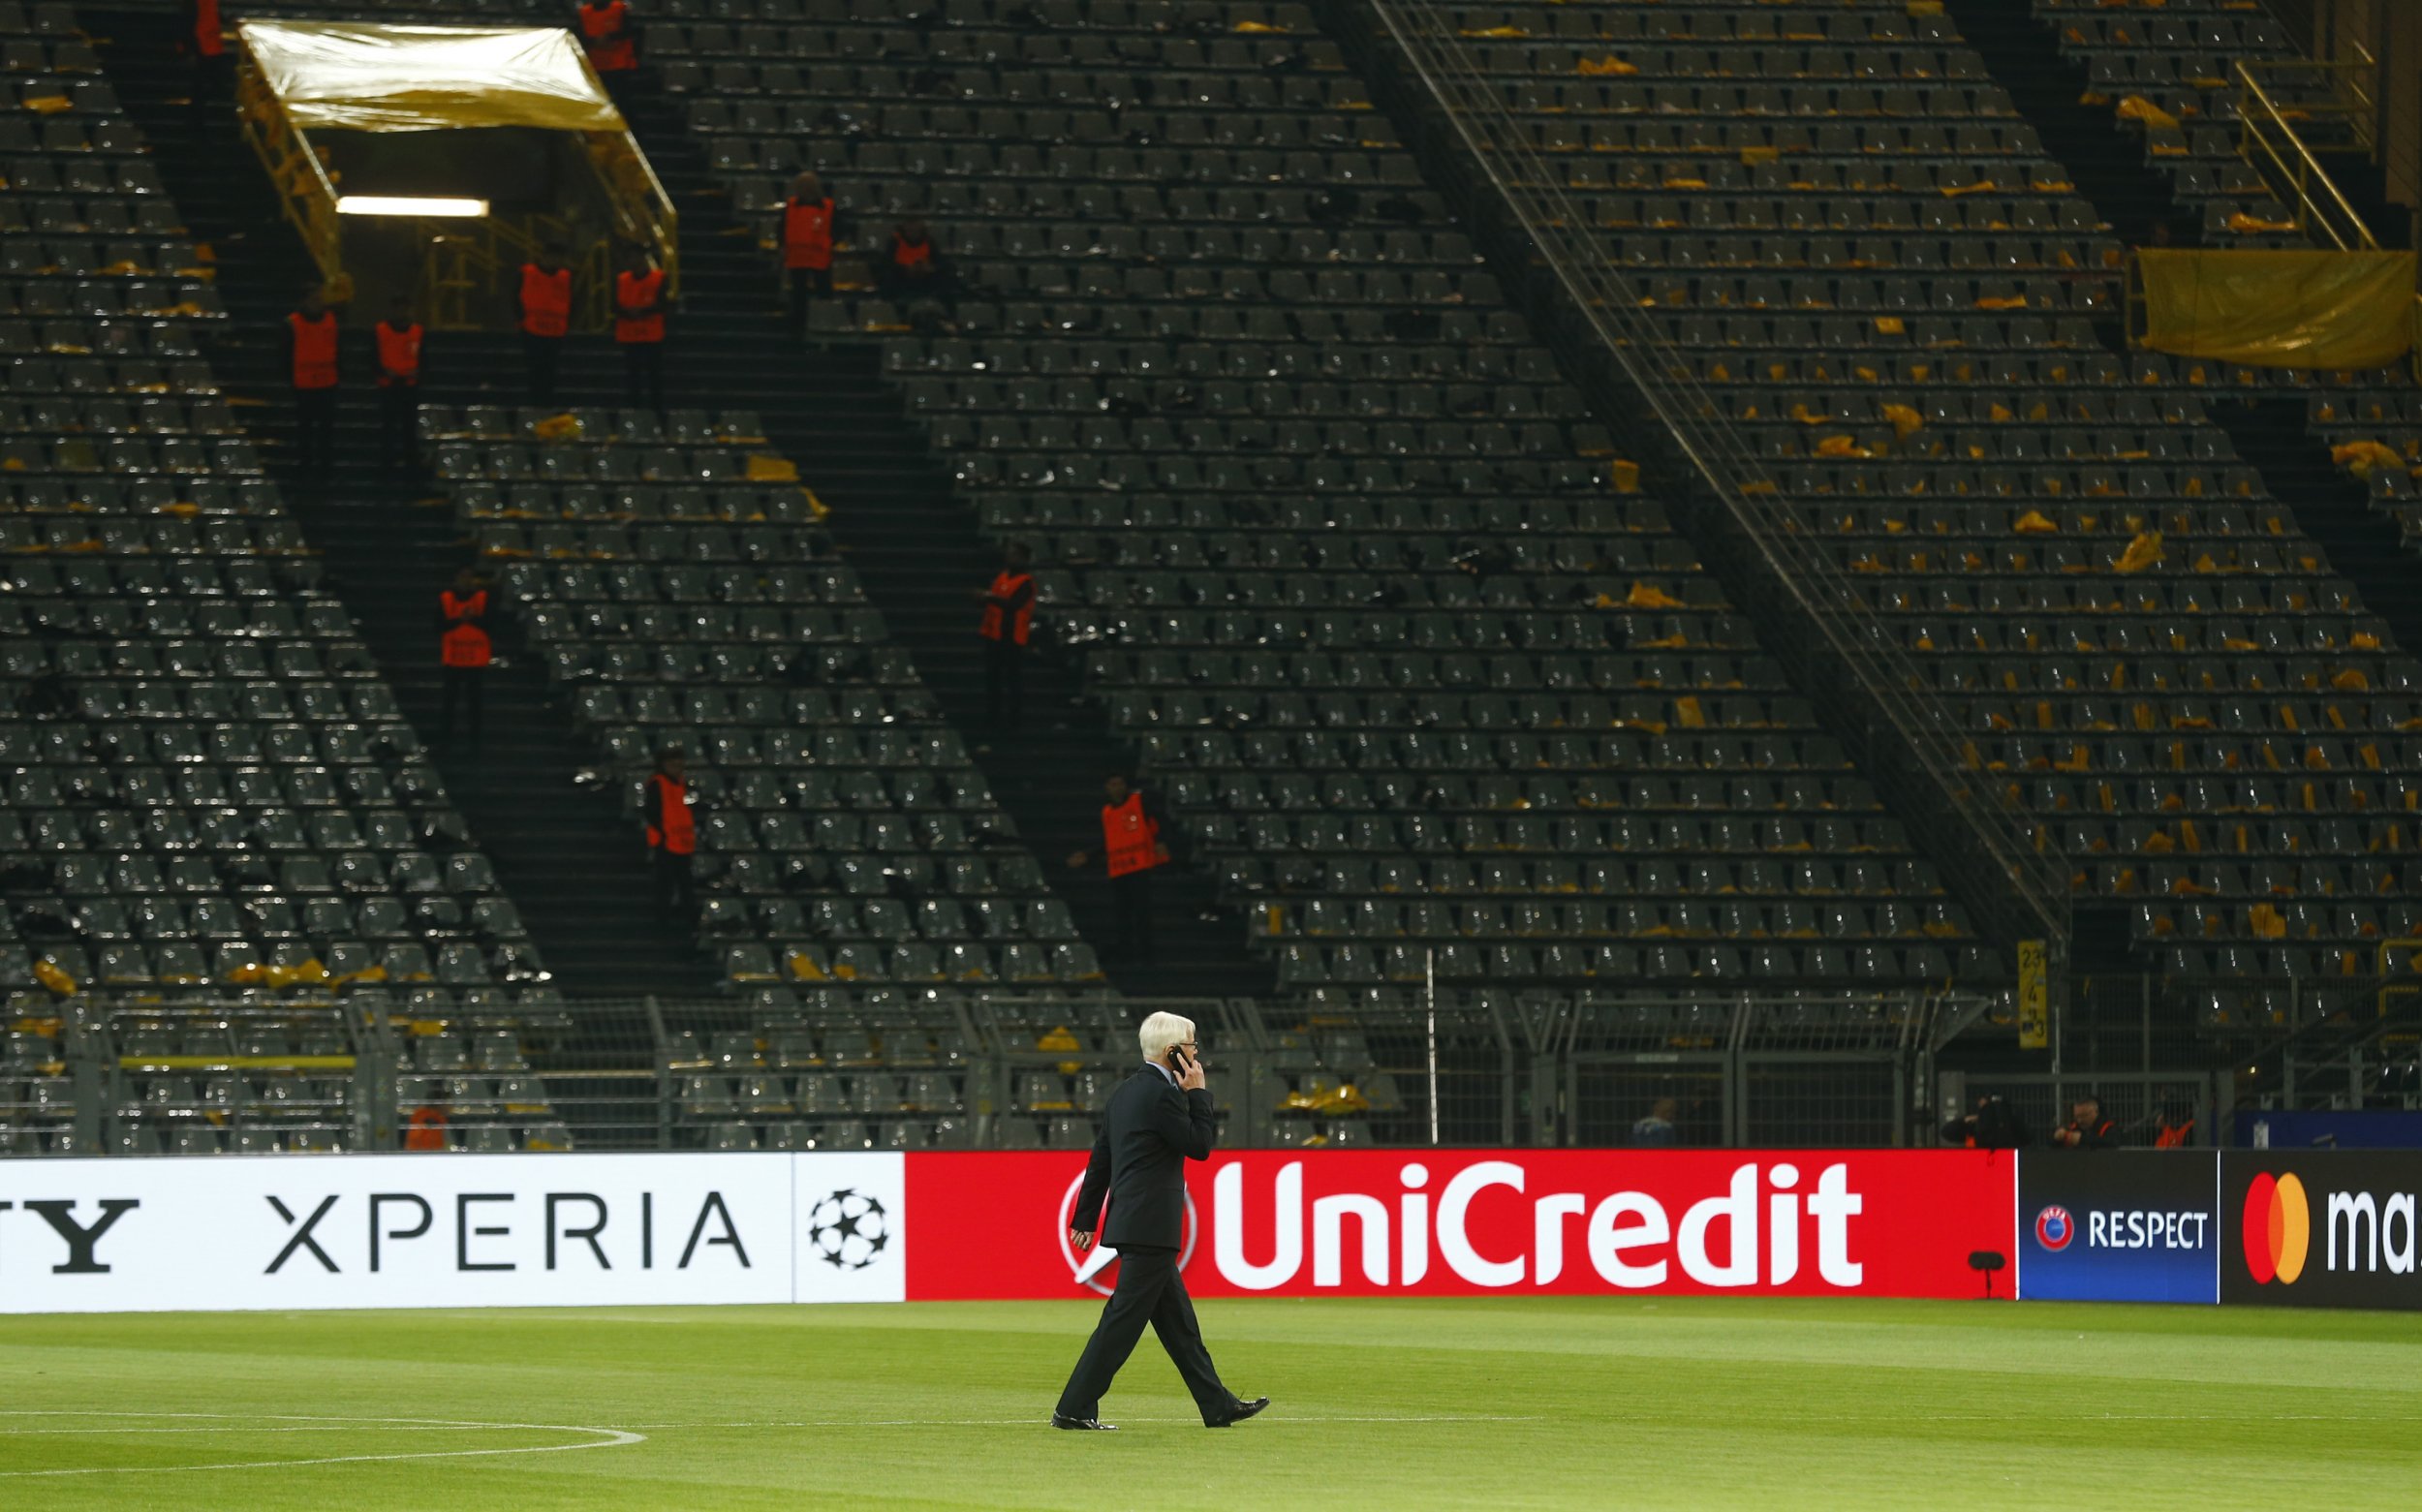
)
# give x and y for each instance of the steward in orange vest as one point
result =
(311, 342)
(1132, 850)
(543, 309)
(606, 31)
(640, 329)
(1009, 617)
(201, 40)
(463, 651)
(913, 267)
(427, 1128)
(398, 339)
(671, 836)
(202, 34)
(808, 232)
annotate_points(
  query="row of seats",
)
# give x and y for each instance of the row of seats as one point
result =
(691, 601)
(208, 784)
(1472, 427)
(2089, 656)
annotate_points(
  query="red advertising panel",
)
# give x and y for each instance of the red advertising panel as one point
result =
(1475, 1222)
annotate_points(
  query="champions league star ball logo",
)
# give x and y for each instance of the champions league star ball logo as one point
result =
(2054, 1228)
(849, 1229)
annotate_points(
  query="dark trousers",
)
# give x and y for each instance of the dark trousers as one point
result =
(399, 427)
(676, 895)
(463, 686)
(1004, 685)
(806, 283)
(1131, 915)
(315, 430)
(644, 374)
(539, 354)
(1151, 1291)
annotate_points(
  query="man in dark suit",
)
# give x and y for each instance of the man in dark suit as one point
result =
(1157, 1119)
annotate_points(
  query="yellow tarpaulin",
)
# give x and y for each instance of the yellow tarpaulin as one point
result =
(2279, 309)
(357, 77)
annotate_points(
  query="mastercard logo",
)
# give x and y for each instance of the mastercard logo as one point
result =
(2279, 1229)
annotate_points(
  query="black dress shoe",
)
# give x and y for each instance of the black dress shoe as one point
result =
(1238, 1411)
(1084, 1424)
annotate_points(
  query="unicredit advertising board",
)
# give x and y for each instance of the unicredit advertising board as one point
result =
(572, 1230)
(1491, 1223)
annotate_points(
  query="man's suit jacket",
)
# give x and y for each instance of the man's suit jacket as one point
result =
(1149, 1131)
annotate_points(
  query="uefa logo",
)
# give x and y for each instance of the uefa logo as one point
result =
(2054, 1228)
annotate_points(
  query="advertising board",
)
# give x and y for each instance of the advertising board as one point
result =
(2119, 1225)
(1482, 1222)
(2319, 1228)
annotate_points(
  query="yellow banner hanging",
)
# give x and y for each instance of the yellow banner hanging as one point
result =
(2279, 309)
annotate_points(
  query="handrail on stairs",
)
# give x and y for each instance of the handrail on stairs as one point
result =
(2269, 141)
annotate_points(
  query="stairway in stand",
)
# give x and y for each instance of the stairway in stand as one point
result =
(569, 858)
(576, 870)
(2363, 543)
(918, 553)
(2106, 163)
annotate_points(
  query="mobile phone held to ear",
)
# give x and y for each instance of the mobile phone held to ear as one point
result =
(1178, 1059)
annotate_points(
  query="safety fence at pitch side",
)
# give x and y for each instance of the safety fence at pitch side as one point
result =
(893, 1069)
(2272, 1228)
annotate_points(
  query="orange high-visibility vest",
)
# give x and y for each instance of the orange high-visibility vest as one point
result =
(606, 31)
(315, 350)
(427, 1130)
(636, 292)
(2174, 1136)
(906, 254)
(464, 643)
(399, 354)
(807, 234)
(206, 38)
(679, 834)
(1007, 585)
(1131, 841)
(546, 300)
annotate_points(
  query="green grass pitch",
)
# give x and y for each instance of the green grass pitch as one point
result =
(1529, 1402)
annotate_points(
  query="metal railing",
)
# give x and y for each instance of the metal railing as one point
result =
(304, 190)
(1848, 654)
(465, 269)
(871, 1069)
(2269, 141)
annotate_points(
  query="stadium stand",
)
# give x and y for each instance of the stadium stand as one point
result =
(1902, 312)
(846, 835)
(209, 786)
(1276, 439)
(1435, 688)
(2170, 75)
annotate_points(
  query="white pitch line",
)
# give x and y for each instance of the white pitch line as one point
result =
(606, 1438)
(1032, 1421)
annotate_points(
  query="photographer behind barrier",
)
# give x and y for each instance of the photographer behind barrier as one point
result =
(2087, 1129)
(1157, 1119)
(1994, 1125)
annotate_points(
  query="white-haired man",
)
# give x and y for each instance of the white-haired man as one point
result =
(1157, 1119)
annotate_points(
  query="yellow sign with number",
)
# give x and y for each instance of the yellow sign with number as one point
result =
(2034, 1001)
